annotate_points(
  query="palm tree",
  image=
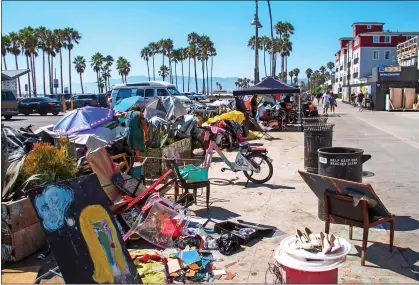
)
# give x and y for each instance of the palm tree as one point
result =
(71, 37)
(182, 55)
(327, 74)
(163, 71)
(169, 49)
(330, 65)
(322, 69)
(212, 53)
(80, 66)
(190, 55)
(120, 66)
(295, 80)
(205, 45)
(42, 35)
(154, 49)
(26, 36)
(14, 48)
(316, 75)
(145, 54)
(284, 29)
(96, 62)
(50, 44)
(286, 49)
(296, 72)
(100, 84)
(108, 64)
(236, 83)
(264, 42)
(193, 44)
(276, 47)
(60, 38)
(309, 72)
(106, 74)
(291, 74)
(5, 45)
(175, 60)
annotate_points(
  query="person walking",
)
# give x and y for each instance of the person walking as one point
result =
(318, 96)
(136, 130)
(326, 102)
(333, 103)
(359, 100)
(254, 105)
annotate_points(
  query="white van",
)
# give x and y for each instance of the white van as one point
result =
(148, 90)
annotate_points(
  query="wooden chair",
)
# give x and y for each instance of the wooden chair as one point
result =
(181, 183)
(340, 210)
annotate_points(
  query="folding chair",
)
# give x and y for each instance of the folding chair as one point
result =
(263, 131)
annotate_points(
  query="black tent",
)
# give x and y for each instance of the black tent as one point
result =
(268, 85)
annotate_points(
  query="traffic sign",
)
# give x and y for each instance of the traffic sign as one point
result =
(55, 83)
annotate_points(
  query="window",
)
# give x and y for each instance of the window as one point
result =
(376, 39)
(149, 93)
(123, 93)
(162, 92)
(7, 96)
(139, 92)
(369, 27)
(409, 37)
(387, 54)
(173, 91)
(387, 39)
(375, 55)
(356, 41)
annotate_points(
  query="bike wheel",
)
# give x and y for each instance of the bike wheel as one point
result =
(266, 170)
(197, 148)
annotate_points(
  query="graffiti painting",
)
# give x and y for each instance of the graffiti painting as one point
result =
(82, 233)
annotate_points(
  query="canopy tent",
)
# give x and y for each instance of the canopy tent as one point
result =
(267, 86)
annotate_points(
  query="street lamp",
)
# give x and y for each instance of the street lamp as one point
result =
(255, 22)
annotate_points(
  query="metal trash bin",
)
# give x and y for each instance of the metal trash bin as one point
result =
(340, 162)
(316, 136)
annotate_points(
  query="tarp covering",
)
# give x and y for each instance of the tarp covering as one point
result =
(125, 104)
(19, 142)
(268, 85)
(82, 119)
(235, 116)
(167, 109)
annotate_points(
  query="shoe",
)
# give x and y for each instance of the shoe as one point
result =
(325, 243)
(336, 246)
(315, 241)
(302, 241)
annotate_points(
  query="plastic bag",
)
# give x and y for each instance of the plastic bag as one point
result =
(228, 244)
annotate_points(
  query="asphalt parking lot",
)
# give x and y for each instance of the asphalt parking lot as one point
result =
(35, 119)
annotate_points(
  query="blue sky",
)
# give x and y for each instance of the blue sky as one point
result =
(124, 28)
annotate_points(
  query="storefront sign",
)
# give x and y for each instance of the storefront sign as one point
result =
(389, 71)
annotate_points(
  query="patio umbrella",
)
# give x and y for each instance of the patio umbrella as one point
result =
(168, 109)
(82, 119)
(125, 104)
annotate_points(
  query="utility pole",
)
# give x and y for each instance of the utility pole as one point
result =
(257, 25)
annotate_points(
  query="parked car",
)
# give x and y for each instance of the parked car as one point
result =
(83, 101)
(8, 104)
(194, 96)
(148, 91)
(39, 105)
(103, 100)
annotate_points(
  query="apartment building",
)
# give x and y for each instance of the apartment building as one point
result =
(370, 46)
(408, 52)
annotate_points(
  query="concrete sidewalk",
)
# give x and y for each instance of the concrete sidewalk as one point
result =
(287, 203)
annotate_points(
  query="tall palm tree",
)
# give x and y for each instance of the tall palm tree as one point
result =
(71, 37)
(108, 64)
(154, 49)
(212, 53)
(5, 45)
(124, 67)
(50, 44)
(60, 38)
(296, 72)
(145, 54)
(276, 48)
(286, 49)
(182, 55)
(322, 69)
(283, 29)
(330, 65)
(264, 42)
(106, 73)
(15, 49)
(100, 84)
(42, 35)
(28, 40)
(175, 60)
(193, 44)
(80, 66)
(309, 72)
(316, 75)
(169, 49)
(163, 71)
(291, 74)
(190, 54)
(96, 62)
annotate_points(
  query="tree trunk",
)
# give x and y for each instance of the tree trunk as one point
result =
(264, 61)
(154, 74)
(81, 83)
(286, 69)
(31, 64)
(97, 81)
(122, 78)
(34, 76)
(4, 63)
(163, 65)
(203, 77)
(29, 77)
(148, 71)
(43, 72)
(69, 70)
(189, 74)
(282, 67)
(196, 76)
(61, 72)
(206, 65)
(170, 71)
(52, 74)
(49, 73)
(212, 65)
(183, 78)
(176, 75)
(18, 80)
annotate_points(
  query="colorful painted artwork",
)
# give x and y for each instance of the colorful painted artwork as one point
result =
(52, 205)
(104, 247)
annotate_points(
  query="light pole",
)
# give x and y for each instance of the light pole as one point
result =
(272, 40)
(257, 25)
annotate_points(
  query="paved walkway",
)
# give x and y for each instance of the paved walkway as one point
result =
(287, 203)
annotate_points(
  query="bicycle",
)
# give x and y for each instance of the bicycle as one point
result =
(245, 159)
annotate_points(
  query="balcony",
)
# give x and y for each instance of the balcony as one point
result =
(356, 60)
(355, 75)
